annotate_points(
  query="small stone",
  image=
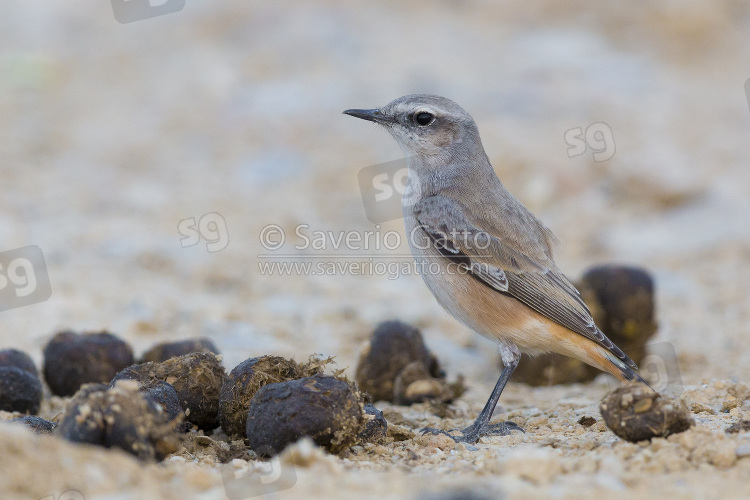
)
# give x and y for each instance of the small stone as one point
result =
(166, 350)
(743, 450)
(635, 412)
(538, 466)
(439, 441)
(375, 428)
(20, 390)
(587, 421)
(730, 403)
(71, 360)
(325, 408)
(742, 425)
(400, 433)
(553, 442)
(722, 454)
(37, 424)
(739, 391)
(415, 384)
(204, 440)
(303, 453)
(19, 359)
(697, 407)
(393, 416)
(197, 378)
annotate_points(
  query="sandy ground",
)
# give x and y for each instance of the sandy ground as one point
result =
(115, 133)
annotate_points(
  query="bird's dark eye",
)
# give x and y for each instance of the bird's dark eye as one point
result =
(424, 118)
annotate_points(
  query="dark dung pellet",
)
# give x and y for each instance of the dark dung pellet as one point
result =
(393, 346)
(165, 350)
(19, 359)
(635, 412)
(375, 428)
(118, 417)
(72, 359)
(197, 378)
(325, 408)
(20, 390)
(244, 381)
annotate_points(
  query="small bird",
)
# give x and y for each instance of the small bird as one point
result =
(489, 259)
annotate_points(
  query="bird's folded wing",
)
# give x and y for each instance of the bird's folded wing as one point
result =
(452, 230)
(498, 263)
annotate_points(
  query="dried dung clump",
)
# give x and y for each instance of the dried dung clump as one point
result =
(325, 408)
(635, 412)
(196, 377)
(166, 350)
(119, 417)
(248, 377)
(396, 366)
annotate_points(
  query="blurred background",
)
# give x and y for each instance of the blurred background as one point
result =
(112, 134)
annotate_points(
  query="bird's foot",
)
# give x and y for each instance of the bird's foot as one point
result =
(472, 433)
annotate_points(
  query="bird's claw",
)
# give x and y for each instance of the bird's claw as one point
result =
(472, 433)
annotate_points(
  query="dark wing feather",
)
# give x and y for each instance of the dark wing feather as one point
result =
(491, 276)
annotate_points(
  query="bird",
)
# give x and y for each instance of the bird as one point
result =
(489, 260)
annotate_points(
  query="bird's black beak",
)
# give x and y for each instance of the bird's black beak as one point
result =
(373, 115)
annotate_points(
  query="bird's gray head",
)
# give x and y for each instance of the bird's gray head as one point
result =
(425, 125)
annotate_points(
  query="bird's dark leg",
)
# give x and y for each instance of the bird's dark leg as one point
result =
(481, 426)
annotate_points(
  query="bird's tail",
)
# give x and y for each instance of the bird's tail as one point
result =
(602, 354)
(623, 371)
